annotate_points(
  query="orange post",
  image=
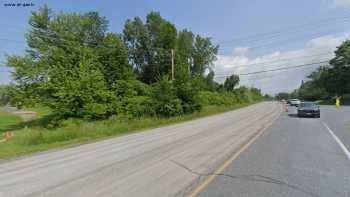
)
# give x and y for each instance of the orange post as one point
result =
(8, 135)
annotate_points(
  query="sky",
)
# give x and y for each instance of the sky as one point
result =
(253, 35)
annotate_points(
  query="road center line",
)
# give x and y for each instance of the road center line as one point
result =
(340, 143)
(221, 168)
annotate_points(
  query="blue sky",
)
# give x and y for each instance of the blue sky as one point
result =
(228, 22)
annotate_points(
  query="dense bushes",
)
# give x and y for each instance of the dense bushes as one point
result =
(240, 95)
(81, 71)
(137, 106)
(164, 95)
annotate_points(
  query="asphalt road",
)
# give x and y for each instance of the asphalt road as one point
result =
(158, 162)
(294, 157)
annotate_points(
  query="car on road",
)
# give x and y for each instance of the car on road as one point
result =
(294, 102)
(309, 109)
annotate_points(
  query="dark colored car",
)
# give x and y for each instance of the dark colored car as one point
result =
(309, 109)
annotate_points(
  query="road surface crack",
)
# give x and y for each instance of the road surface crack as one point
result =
(253, 177)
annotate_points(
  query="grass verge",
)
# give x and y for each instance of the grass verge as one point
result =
(32, 140)
(8, 121)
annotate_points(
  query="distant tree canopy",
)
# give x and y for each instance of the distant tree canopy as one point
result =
(329, 81)
(78, 69)
(231, 82)
(283, 95)
(336, 79)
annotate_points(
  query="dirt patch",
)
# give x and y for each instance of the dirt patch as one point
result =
(23, 114)
(26, 115)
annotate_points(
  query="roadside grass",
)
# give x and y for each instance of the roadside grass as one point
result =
(11, 121)
(8, 121)
(34, 139)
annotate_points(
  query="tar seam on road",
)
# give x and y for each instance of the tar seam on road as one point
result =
(221, 168)
(339, 142)
(250, 177)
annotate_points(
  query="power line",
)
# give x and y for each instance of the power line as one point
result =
(293, 37)
(285, 68)
(277, 69)
(275, 39)
(286, 29)
(284, 41)
(280, 60)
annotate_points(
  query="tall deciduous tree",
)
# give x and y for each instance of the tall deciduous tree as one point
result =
(204, 54)
(150, 45)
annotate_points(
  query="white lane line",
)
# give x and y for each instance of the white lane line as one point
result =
(340, 143)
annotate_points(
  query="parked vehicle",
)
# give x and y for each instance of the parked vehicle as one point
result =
(309, 109)
(294, 102)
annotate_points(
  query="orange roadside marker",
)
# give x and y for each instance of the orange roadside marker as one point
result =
(8, 135)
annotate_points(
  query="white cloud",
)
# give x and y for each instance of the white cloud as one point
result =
(241, 51)
(315, 50)
(342, 3)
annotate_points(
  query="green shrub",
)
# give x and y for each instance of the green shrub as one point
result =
(137, 106)
(214, 98)
(243, 95)
(172, 107)
(188, 93)
(83, 91)
(129, 88)
(164, 95)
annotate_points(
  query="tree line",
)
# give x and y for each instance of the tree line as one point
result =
(326, 82)
(79, 69)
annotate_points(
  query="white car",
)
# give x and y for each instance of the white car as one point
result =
(294, 102)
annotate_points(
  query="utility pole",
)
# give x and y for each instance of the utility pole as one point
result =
(172, 64)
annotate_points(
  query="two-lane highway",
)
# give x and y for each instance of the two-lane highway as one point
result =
(152, 163)
(295, 157)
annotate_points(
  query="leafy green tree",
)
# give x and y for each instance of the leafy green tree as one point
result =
(184, 50)
(337, 78)
(150, 45)
(311, 92)
(283, 95)
(231, 82)
(187, 90)
(71, 64)
(167, 102)
(114, 59)
(82, 92)
(204, 54)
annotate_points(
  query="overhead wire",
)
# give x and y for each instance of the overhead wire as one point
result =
(286, 29)
(279, 60)
(280, 68)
